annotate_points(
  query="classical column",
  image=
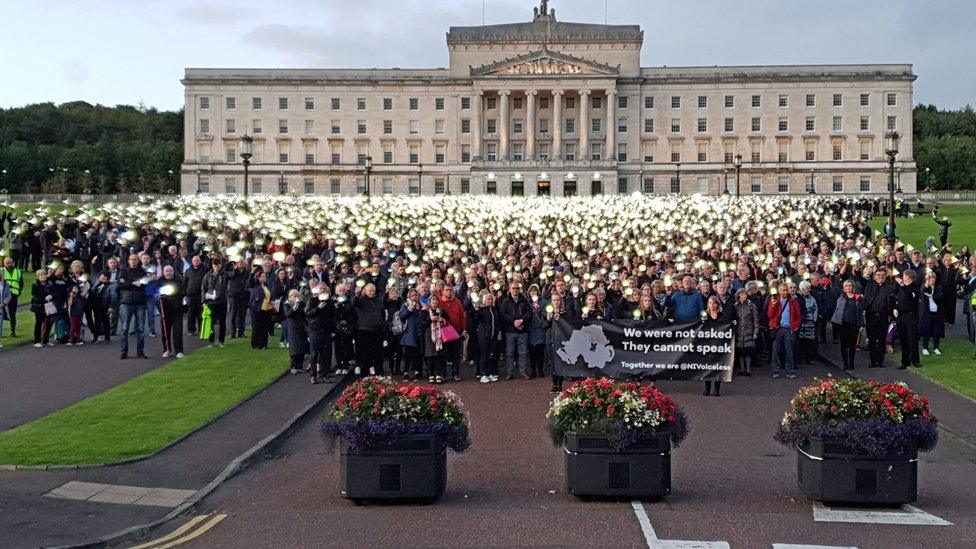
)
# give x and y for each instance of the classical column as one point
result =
(477, 101)
(611, 125)
(584, 125)
(530, 124)
(557, 125)
(504, 123)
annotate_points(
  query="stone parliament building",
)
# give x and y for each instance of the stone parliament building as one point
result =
(549, 108)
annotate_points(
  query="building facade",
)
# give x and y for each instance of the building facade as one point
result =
(549, 108)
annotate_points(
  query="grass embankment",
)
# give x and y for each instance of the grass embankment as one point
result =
(145, 413)
(25, 331)
(955, 369)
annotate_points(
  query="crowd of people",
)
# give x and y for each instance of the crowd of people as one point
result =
(422, 287)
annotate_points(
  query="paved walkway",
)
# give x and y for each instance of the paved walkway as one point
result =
(28, 519)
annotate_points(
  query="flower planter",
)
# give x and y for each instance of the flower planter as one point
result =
(408, 468)
(595, 469)
(834, 472)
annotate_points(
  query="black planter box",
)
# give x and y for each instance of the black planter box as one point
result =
(410, 467)
(833, 472)
(595, 469)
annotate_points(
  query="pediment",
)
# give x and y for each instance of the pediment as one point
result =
(544, 62)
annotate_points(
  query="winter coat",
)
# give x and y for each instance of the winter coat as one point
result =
(193, 281)
(840, 310)
(131, 293)
(515, 309)
(297, 330)
(171, 305)
(747, 325)
(370, 313)
(454, 313)
(931, 324)
(537, 330)
(488, 324)
(808, 327)
(687, 306)
(430, 350)
(321, 320)
(774, 310)
(414, 326)
(215, 282)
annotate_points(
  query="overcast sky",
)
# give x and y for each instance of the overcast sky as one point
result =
(115, 51)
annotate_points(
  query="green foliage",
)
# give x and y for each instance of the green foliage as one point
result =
(111, 142)
(945, 142)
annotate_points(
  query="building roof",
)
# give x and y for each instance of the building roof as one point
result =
(292, 76)
(545, 30)
(780, 72)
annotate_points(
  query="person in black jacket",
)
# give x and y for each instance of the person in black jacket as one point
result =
(132, 304)
(262, 311)
(393, 351)
(516, 319)
(321, 312)
(877, 302)
(237, 295)
(192, 282)
(171, 310)
(294, 313)
(41, 295)
(101, 304)
(488, 327)
(905, 311)
(370, 323)
(214, 291)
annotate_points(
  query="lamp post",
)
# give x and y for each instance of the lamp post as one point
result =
(420, 179)
(677, 175)
(282, 185)
(369, 167)
(197, 173)
(168, 182)
(928, 178)
(725, 174)
(813, 185)
(891, 149)
(738, 171)
(247, 143)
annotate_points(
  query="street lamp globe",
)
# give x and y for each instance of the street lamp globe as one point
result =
(738, 161)
(369, 162)
(891, 143)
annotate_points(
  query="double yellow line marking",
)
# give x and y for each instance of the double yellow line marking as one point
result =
(185, 533)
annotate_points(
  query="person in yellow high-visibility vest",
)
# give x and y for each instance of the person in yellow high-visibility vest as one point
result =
(14, 277)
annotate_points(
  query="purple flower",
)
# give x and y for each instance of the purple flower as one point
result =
(877, 437)
(362, 435)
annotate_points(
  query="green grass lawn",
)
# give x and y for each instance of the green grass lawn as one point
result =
(25, 330)
(955, 369)
(916, 229)
(145, 413)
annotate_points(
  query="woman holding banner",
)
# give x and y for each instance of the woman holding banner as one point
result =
(713, 315)
(555, 310)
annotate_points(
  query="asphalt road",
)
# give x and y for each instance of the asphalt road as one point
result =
(731, 483)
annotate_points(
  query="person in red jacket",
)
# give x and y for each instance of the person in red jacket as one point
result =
(454, 311)
(783, 312)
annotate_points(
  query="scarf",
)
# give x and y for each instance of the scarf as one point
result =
(436, 336)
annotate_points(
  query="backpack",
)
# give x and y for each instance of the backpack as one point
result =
(398, 326)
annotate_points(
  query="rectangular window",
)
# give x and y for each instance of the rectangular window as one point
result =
(310, 158)
(596, 102)
(256, 103)
(811, 100)
(517, 126)
(703, 185)
(649, 157)
(865, 184)
(361, 158)
(675, 102)
(784, 100)
(387, 104)
(230, 186)
(438, 186)
(387, 127)
(729, 124)
(865, 100)
(309, 104)
(570, 103)
(596, 151)
(756, 101)
(648, 125)
(439, 127)
(414, 154)
(336, 103)
(309, 185)
(256, 126)
(361, 127)
(282, 157)
(204, 103)
(675, 185)
(756, 124)
(702, 153)
(231, 103)
(622, 185)
(360, 103)
(596, 125)
(492, 126)
(543, 103)
(570, 125)
(492, 102)
(335, 185)
(282, 103)
(544, 126)
(838, 184)
(255, 185)
(621, 101)
(414, 187)
(838, 100)
(783, 124)
(621, 125)
(414, 103)
(465, 153)
(465, 125)
(414, 127)
(438, 103)
(675, 155)
(309, 127)
(361, 186)
(283, 126)
(838, 124)
(891, 99)
(204, 126)
(783, 156)
(755, 185)
(810, 124)
(729, 157)
(729, 101)
(702, 101)
(465, 103)
(518, 152)
(675, 125)
(702, 125)
(231, 125)
(387, 186)
(647, 185)
(756, 156)
(516, 103)
(649, 102)
(231, 155)
(570, 153)
(387, 157)
(838, 151)
(892, 123)
(864, 123)
(865, 150)
(465, 186)
(336, 158)
(622, 152)
(491, 187)
(543, 151)
(783, 185)
(336, 129)
(811, 154)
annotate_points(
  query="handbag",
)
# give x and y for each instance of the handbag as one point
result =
(933, 308)
(50, 308)
(449, 334)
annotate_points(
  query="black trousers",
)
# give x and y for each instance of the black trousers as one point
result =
(436, 366)
(260, 328)
(320, 351)
(848, 343)
(238, 316)
(173, 333)
(877, 330)
(536, 354)
(412, 361)
(488, 357)
(908, 338)
(370, 346)
(393, 353)
(194, 308)
(42, 326)
(343, 350)
(218, 316)
(101, 325)
(12, 313)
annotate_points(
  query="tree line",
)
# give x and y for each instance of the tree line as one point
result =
(78, 147)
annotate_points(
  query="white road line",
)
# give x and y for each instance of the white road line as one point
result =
(907, 515)
(801, 546)
(174, 534)
(654, 543)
